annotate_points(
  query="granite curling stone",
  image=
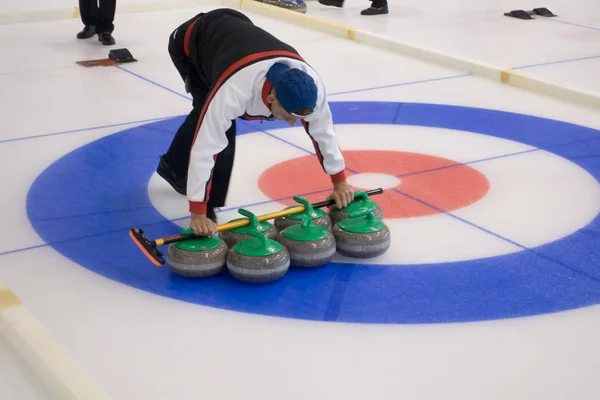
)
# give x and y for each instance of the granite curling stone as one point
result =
(361, 235)
(293, 5)
(236, 235)
(361, 201)
(258, 259)
(309, 245)
(319, 217)
(198, 257)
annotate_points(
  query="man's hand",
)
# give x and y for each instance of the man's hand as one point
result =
(342, 194)
(203, 226)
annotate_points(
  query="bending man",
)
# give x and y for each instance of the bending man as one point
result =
(234, 69)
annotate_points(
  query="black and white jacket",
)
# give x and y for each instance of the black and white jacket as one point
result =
(233, 57)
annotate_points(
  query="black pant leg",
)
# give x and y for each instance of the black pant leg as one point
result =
(222, 170)
(88, 10)
(178, 157)
(106, 16)
(181, 61)
(176, 52)
(178, 154)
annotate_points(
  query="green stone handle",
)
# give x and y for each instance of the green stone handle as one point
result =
(254, 223)
(362, 212)
(308, 208)
(306, 221)
(258, 235)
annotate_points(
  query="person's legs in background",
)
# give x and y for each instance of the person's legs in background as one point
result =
(88, 10)
(106, 17)
(334, 3)
(98, 20)
(378, 7)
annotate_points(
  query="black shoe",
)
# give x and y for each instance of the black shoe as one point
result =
(87, 32)
(176, 182)
(334, 3)
(375, 10)
(106, 39)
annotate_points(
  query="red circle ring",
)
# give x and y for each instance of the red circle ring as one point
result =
(434, 180)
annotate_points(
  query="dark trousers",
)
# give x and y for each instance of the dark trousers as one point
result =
(178, 155)
(100, 16)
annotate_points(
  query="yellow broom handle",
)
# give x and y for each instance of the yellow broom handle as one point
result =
(261, 218)
(246, 221)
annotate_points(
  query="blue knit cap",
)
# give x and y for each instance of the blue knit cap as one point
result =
(293, 88)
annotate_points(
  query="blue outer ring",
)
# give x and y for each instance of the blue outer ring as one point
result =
(84, 204)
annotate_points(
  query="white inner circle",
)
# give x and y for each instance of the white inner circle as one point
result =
(534, 198)
(371, 180)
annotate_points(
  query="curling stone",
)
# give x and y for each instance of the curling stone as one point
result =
(258, 259)
(319, 217)
(236, 235)
(293, 5)
(309, 245)
(361, 235)
(361, 201)
(197, 257)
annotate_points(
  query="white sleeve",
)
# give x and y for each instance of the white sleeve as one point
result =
(226, 105)
(320, 128)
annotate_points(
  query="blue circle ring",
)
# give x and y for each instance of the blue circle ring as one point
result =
(84, 204)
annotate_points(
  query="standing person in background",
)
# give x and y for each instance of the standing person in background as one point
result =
(98, 19)
(378, 7)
